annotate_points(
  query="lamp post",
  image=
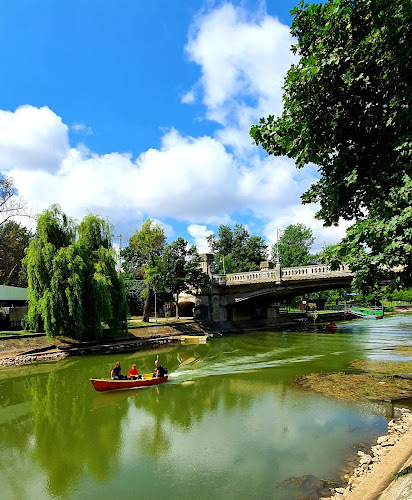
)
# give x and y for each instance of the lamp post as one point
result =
(278, 236)
(223, 261)
(211, 269)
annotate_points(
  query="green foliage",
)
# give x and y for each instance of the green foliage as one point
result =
(236, 251)
(402, 295)
(403, 472)
(294, 246)
(180, 268)
(145, 247)
(134, 289)
(14, 239)
(25, 323)
(148, 241)
(73, 285)
(2, 315)
(346, 109)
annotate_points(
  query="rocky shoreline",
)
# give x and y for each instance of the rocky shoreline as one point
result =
(375, 470)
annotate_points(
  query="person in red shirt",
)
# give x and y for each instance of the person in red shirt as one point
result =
(133, 373)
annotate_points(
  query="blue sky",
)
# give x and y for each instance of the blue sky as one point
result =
(132, 109)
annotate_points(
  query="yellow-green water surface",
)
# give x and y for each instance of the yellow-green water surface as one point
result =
(227, 424)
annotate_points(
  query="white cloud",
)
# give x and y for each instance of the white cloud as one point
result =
(199, 234)
(189, 97)
(305, 214)
(189, 179)
(32, 139)
(244, 58)
(81, 127)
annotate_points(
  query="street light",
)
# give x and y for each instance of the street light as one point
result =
(223, 260)
(278, 236)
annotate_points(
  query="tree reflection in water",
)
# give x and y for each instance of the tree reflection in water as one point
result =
(70, 440)
(77, 435)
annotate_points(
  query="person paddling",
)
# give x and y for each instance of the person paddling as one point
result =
(160, 371)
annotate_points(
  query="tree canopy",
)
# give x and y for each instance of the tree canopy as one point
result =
(145, 248)
(294, 246)
(236, 251)
(14, 239)
(347, 110)
(181, 269)
(73, 284)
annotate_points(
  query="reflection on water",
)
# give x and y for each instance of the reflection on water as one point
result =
(227, 424)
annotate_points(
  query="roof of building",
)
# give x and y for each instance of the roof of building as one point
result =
(13, 293)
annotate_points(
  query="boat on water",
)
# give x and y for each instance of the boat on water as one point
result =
(108, 384)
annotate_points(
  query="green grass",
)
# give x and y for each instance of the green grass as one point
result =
(14, 332)
(138, 321)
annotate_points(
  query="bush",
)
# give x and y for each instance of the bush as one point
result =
(25, 323)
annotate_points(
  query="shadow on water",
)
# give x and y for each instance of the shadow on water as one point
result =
(228, 423)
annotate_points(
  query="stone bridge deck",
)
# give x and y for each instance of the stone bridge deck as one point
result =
(279, 275)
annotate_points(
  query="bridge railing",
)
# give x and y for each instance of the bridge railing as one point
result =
(286, 274)
(314, 271)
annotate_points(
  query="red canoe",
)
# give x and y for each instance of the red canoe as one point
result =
(107, 384)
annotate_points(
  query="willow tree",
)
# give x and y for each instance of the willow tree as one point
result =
(73, 285)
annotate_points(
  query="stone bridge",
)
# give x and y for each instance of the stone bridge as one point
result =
(256, 294)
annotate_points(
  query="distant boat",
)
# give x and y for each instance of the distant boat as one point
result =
(107, 384)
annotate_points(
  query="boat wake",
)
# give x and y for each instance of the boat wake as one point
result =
(212, 367)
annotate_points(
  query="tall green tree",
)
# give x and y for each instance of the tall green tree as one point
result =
(181, 269)
(73, 285)
(14, 239)
(235, 250)
(347, 110)
(294, 246)
(147, 244)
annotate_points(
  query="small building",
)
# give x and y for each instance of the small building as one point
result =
(14, 302)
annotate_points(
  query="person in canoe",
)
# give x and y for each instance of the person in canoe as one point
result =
(159, 370)
(116, 373)
(133, 373)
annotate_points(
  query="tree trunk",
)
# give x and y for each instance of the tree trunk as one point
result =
(146, 305)
(177, 306)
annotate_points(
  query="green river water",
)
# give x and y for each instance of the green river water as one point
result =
(227, 425)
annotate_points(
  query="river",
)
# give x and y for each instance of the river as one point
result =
(227, 425)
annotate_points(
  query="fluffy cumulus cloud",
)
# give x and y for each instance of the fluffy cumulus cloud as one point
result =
(305, 214)
(189, 179)
(243, 58)
(32, 139)
(199, 234)
(202, 181)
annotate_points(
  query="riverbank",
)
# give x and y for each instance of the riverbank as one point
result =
(374, 478)
(23, 349)
(374, 381)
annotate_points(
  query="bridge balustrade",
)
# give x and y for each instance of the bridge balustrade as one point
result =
(287, 273)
